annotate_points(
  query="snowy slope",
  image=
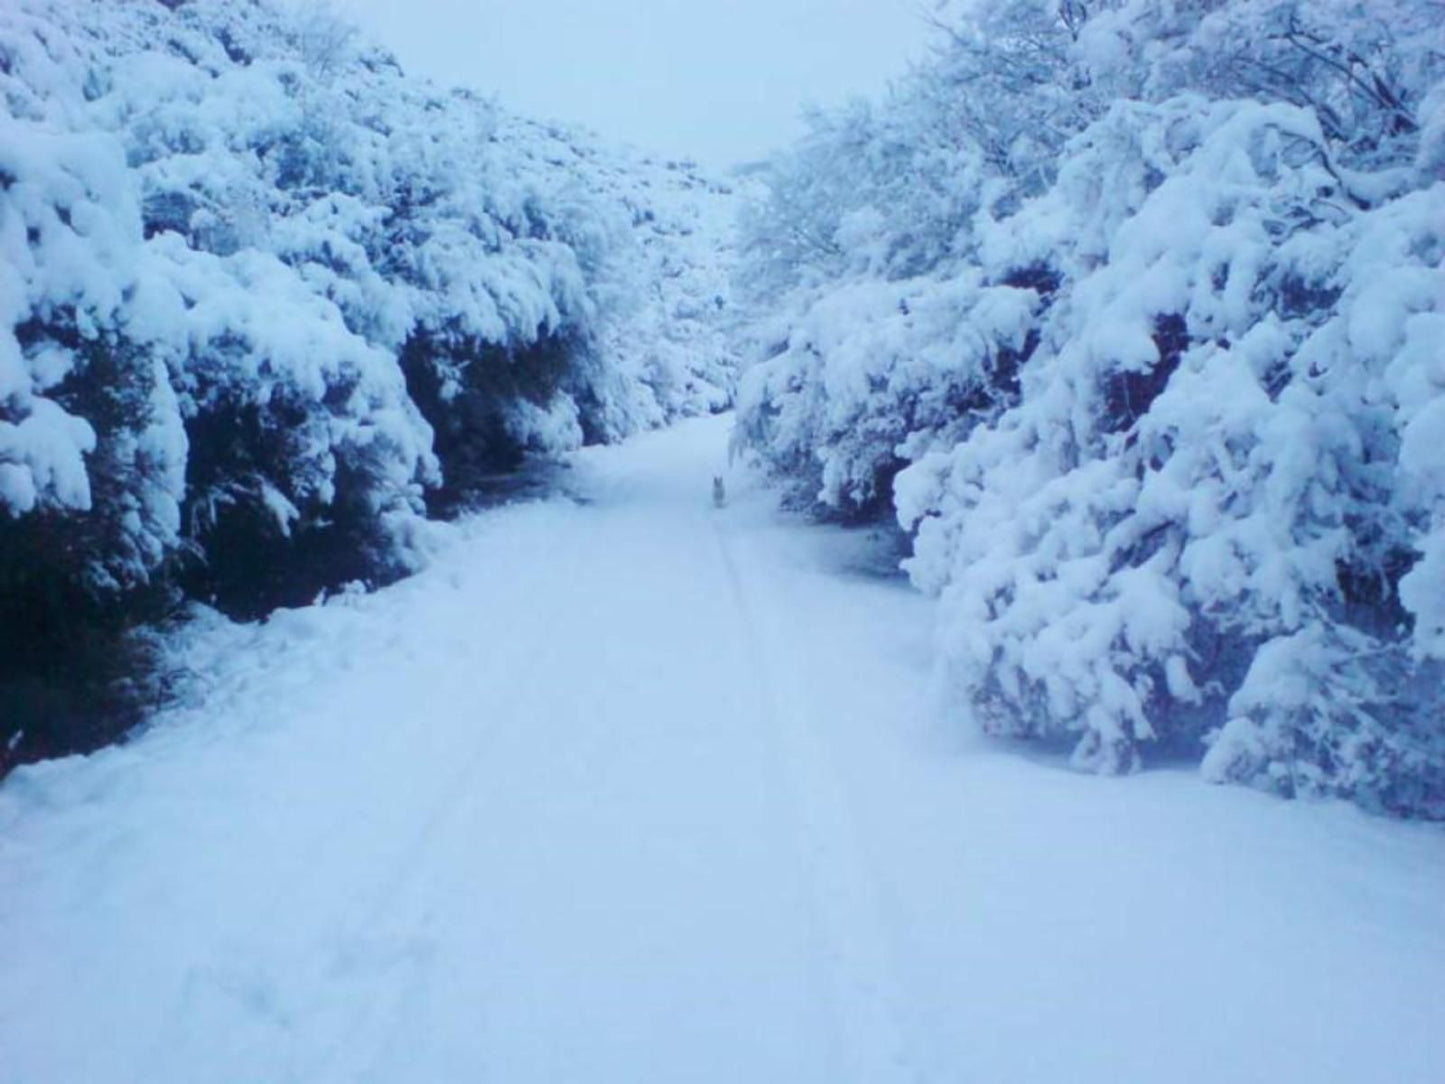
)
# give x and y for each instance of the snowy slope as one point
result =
(627, 789)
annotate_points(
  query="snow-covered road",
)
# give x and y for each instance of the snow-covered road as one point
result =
(635, 790)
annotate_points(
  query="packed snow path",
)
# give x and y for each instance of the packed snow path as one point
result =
(632, 789)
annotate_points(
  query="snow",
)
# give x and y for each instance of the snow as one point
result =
(626, 787)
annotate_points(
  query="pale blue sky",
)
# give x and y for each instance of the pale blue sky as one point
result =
(721, 80)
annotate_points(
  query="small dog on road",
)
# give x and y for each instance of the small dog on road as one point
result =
(719, 494)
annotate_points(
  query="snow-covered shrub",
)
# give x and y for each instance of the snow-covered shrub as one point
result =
(1202, 509)
(261, 294)
(289, 216)
(1201, 460)
(874, 372)
(70, 249)
(669, 341)
(91, 451)
(871, 327)
(859, 339)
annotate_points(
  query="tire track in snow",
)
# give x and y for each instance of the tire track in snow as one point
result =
(352, 951)
(374, 1028)
(872, 1045)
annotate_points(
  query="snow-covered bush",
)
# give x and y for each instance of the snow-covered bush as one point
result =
(843, 368)
(670, 340)
(1204, 457)
(1201, 509)
(261, 295)
(873, 372)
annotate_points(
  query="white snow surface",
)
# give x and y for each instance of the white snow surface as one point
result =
(627, 788)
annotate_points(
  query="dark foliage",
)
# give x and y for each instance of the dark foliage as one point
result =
(75, 671)
(464, 389)
(242, 558)
(1128, 393)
